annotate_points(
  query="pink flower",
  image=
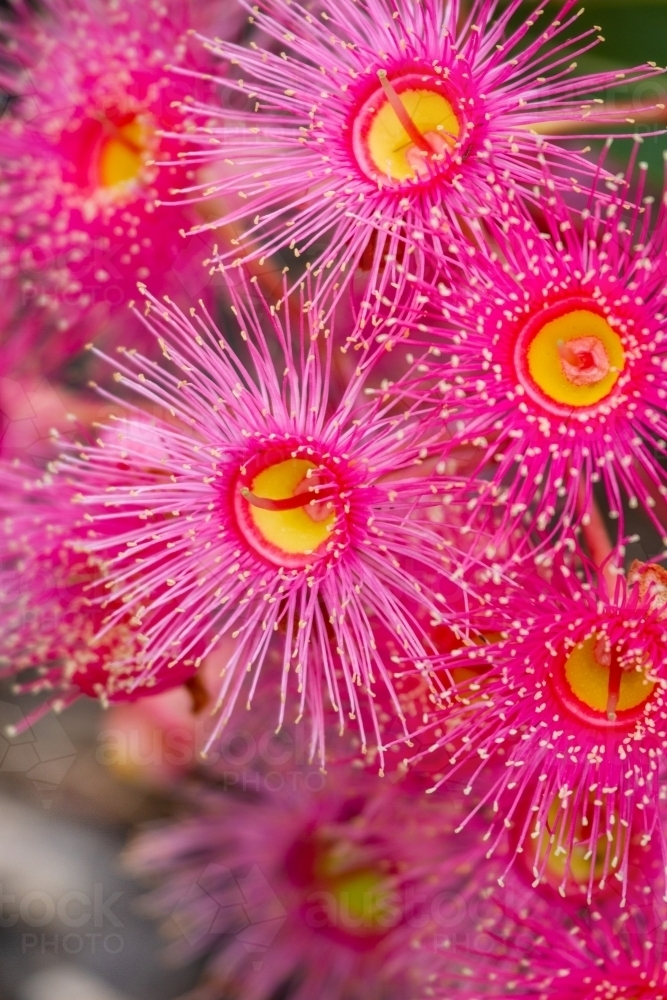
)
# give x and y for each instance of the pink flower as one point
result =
(377, 121)
(550, 356)
(80, 185)
(319, 881)
(57, 606)
(566, 728)
(544, 955)
(271, 512)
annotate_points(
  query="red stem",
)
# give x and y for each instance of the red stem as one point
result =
(597, 539)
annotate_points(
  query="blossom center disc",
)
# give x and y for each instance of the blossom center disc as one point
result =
(405, 130)
(360, 902)
(570, 356)
(347, 892)
(123, 152)
(359, 898)
(598, 689)
(287, 512)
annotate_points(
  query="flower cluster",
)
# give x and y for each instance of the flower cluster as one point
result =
(80, 166)
(380, 357)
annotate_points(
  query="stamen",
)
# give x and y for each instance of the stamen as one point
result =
(584, 361)
(419, 140)
(288, 503)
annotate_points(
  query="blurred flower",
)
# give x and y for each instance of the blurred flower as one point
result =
(57, 607)
(319, 888)
(79, 180)
(156, 742)
(271, 513)
(377, 121)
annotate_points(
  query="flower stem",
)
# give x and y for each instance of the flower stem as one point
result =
(597, 539)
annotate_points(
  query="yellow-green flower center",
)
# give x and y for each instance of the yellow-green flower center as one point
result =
(565, 857)
(595, 679)
(359, 897)
(123, 152)
(603, 684)
(362, 902)
(303, 529)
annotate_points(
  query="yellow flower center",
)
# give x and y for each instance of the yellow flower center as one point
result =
(360, 899)
(601, 685)
(123, 153)
(361, 902)
(574, 359)
(289, 508)
(405, 130)
(592, 681)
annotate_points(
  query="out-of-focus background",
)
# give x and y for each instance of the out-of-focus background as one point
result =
(70, 793)
(72, 788)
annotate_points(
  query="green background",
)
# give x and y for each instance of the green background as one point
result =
(635, 32)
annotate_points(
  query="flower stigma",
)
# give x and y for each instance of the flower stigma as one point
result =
(601, 683)
(573, 360)
(287, 510)
(405, 130)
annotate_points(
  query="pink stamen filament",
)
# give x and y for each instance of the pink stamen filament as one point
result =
(404, 118)
(613, 688)
(288, 503)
